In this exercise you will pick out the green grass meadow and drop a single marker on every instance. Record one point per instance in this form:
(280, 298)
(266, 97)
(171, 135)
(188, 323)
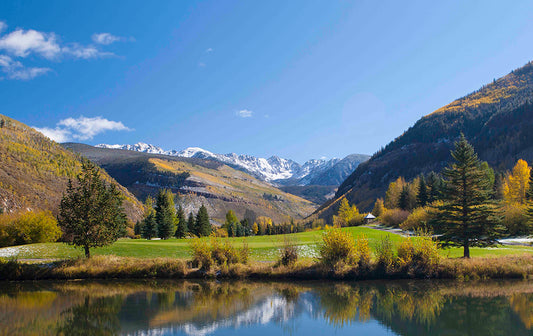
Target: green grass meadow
(263, 248)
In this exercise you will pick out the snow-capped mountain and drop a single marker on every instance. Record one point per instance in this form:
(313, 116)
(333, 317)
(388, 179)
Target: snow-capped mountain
(274, 169)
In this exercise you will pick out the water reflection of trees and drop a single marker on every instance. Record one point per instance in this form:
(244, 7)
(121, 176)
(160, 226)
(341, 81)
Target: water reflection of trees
(98, 317)
(407, 308)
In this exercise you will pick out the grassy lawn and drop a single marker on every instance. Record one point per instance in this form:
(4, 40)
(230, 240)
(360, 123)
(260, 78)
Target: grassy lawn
(263, 248)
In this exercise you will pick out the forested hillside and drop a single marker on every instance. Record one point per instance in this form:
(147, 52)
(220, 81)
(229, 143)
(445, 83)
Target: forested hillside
(497, 120)
(34, 171)
(197, 181)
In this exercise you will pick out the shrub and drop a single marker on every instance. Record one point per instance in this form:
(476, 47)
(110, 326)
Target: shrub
(386, 260)
(207, 254)
(201, 254)
(288, 253)
(28, 228)
(363, 252)
(419, 256)
(394, 217)
(337, 246)
(244, 252)
(515, 219)
(417, 219)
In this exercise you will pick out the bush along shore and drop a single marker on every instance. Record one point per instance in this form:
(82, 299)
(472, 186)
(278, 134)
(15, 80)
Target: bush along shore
(340, 258)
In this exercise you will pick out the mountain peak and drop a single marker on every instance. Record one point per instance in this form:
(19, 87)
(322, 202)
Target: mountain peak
(273, 169)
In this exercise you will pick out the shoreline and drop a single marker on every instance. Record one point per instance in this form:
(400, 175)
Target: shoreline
(112, 267)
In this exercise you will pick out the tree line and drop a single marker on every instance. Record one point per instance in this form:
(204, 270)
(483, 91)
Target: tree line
(162, 220)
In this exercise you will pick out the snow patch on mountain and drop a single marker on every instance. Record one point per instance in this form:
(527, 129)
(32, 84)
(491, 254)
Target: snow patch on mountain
(273, 169)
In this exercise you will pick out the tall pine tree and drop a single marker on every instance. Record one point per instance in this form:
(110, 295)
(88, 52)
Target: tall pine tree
(149, 226)
(191, 224)
(164, 214)
(422, 195)
(181, 223)
(202, 222)
(466, 218)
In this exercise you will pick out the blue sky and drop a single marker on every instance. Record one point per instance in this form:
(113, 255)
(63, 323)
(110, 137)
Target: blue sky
(297, 79)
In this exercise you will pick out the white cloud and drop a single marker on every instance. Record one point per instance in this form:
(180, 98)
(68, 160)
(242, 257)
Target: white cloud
(87, 128)
(81, 128)
(105, 38)
(15, 69)
(21, 43)
(244, 113)
(55, 134)
(209, 50)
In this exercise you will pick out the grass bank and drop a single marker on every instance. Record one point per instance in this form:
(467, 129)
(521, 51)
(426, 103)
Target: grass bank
(112, 267)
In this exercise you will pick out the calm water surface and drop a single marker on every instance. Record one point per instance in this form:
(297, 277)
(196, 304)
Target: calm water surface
(260, 308)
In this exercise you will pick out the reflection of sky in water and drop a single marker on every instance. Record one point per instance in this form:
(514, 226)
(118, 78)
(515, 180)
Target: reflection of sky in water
(248, 308)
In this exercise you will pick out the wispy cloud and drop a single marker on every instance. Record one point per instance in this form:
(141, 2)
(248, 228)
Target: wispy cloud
(209, 50)
(85, 52)
(244, 113)
(81, 128)
(105, 38)
(15, 70)
(22, 43)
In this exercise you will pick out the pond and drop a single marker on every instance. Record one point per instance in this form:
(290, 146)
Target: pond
(266, 308)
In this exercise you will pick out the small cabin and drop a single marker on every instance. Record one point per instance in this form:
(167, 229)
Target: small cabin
(369, 218)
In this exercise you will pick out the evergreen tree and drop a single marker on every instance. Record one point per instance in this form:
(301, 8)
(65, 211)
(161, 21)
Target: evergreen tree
(149, 226)
(231, 229)
(422, 196)
(202, 222)
(137, 228)
(191, 224)
(403, 200)
(181, 223)
(498, 186)
(91, 213)
(246, 227)
(466, 218)
(165, 213)
(529, 193)
(435, 184)
(239, 232)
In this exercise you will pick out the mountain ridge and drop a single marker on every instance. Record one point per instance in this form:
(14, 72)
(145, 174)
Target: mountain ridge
(275, 170)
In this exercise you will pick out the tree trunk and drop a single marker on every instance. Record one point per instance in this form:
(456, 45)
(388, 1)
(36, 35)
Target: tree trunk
(87, 252)
(466, 251)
